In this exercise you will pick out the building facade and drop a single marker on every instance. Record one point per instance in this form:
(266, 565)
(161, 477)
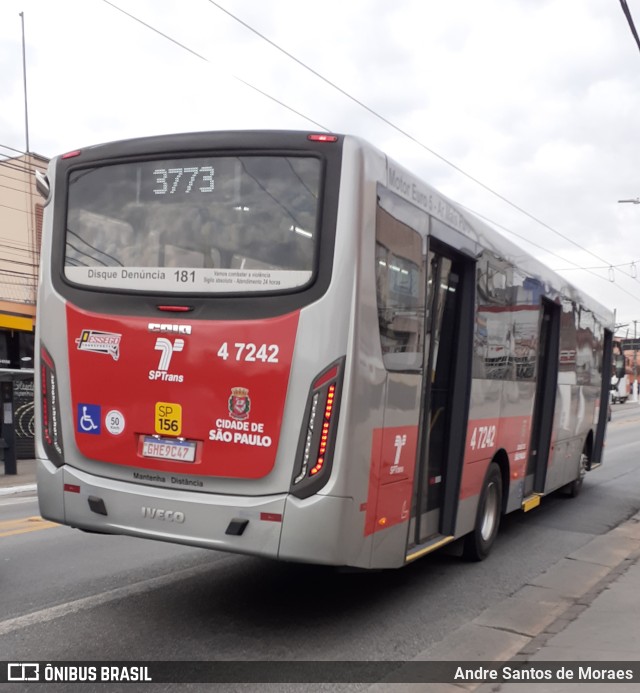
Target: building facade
(21, 211)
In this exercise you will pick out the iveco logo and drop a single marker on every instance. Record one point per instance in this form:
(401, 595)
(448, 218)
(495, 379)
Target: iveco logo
(169, 329)
(160, 514)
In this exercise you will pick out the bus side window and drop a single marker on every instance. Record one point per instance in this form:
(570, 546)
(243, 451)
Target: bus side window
(400, 288)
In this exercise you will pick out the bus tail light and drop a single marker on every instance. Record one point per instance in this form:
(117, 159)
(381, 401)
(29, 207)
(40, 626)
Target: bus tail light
(50, 410)
(317, 440)
(322, 137)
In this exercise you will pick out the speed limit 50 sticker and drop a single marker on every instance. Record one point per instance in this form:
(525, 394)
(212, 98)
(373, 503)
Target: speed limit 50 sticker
(168, 418)
(114, 422)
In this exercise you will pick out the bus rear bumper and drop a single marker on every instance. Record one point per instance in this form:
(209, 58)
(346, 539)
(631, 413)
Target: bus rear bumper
(226, 523)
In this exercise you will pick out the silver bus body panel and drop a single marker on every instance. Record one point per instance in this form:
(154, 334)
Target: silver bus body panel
(196, 519)
(322, 529)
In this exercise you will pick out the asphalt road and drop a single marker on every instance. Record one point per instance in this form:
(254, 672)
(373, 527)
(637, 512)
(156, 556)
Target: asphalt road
(69, 595)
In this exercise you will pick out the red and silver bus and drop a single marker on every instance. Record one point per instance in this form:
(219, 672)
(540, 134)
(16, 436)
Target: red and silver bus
(285, 344)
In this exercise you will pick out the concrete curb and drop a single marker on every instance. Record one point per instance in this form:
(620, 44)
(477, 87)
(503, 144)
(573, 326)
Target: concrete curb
(516, 628)
(10, 490)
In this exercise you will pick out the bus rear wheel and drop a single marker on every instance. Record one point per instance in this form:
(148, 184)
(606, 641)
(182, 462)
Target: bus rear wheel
(478, 543)
(573, 488)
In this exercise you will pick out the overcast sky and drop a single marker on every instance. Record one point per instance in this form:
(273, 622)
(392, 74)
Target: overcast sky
(537, 99)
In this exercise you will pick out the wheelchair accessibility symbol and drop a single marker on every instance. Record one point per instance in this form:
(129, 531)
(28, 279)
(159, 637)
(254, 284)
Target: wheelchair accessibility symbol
(89, 419)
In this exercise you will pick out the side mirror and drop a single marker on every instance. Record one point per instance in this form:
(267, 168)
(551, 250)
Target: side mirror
(42, 185)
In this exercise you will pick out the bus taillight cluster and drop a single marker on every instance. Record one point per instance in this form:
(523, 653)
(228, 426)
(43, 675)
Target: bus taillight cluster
(51, 421)
(324, 436)
(318, 436)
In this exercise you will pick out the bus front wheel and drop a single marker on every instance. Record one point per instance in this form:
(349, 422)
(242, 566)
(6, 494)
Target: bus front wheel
(478, 543)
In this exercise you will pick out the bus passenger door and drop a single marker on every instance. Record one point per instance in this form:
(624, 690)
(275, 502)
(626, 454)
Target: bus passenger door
(400, 276)
(446, 386)
(425, 300)
(545, 398)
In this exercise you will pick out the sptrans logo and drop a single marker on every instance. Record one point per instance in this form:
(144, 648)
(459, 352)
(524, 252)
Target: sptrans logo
(167, 348)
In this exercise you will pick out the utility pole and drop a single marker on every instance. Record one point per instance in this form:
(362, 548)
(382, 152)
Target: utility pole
(24, 78)
(634, 397)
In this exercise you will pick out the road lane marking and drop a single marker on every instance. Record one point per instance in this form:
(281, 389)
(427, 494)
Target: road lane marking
(86, 603)
(11, 490)
(20, 500)
(9, 528)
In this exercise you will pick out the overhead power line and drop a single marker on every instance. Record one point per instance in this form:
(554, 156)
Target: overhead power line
(10, 243)
(13, 149)
(403, 132)
(633, 264)
(16, 165)
(202, 57)
(632, 26)
(10, 187)
(15, 209)
(369, 110)
(576, 266)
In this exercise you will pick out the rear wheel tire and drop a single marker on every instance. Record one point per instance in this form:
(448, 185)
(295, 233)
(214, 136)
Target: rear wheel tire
(478, 543)
(573, 488)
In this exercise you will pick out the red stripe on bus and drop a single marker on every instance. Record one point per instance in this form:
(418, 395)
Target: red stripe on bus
(44, 354)
(218, 386)
(326, 377)
(393, 456)
(484, 438)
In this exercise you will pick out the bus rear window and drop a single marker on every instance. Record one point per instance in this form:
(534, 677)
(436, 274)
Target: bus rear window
(208, 224)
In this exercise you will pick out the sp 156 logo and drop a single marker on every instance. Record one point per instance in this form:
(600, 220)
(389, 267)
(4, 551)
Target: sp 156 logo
(168, 418)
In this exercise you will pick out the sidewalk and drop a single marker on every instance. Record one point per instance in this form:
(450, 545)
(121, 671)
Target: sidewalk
(584, 610)
(23, 481)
